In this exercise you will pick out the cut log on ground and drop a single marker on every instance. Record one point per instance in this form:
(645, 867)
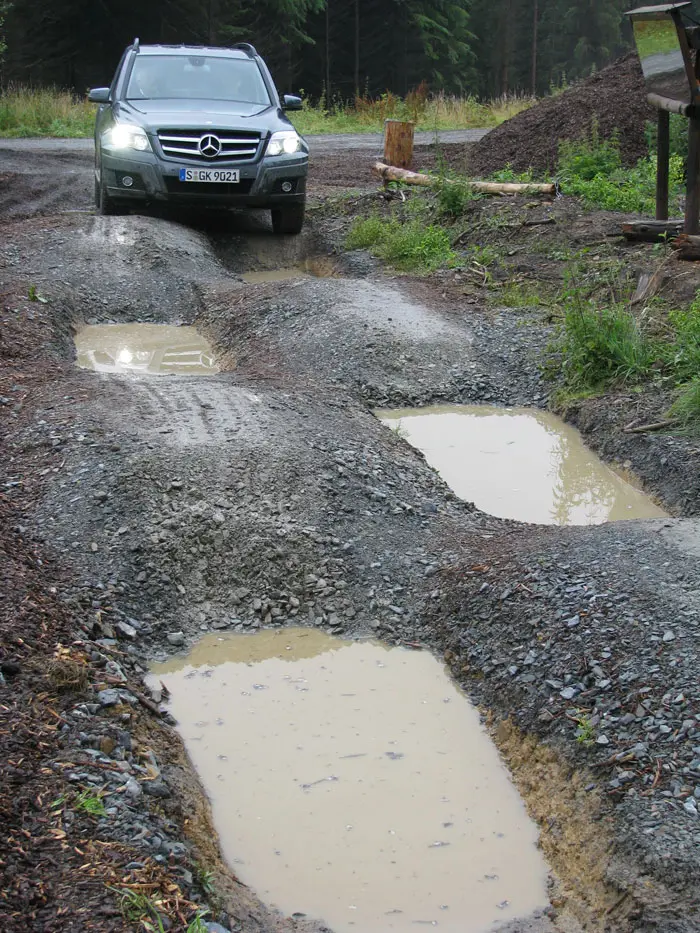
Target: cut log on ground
(649, 284)
(390, 173)
(651, 231)
(686, 246)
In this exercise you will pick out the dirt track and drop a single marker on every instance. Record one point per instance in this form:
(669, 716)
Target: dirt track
(269, 494)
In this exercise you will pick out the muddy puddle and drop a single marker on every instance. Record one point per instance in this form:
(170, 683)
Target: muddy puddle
(319, 267)
(354, 783)
(520, 463)
(154, 349)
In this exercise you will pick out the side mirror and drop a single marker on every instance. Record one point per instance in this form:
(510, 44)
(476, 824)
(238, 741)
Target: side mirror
(99, 95)
(291, 102)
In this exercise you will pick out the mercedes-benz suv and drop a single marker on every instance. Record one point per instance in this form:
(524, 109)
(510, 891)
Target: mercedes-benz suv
(198, 125)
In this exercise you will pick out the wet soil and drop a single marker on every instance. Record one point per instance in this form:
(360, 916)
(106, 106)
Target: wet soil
(144, 512)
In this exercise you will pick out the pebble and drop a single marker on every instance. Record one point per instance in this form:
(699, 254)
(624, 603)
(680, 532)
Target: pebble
(109, 697)
(176, 638)
(133, 788)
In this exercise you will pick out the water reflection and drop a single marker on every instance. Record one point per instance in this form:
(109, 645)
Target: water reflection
(153, 349)
(520, 463)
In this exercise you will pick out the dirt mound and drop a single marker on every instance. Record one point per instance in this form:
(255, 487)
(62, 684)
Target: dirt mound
(615, 96)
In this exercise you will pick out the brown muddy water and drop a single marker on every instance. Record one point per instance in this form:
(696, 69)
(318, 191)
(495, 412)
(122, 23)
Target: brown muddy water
(520, 463)
(152, 349)
(319, 267)
(354, 783)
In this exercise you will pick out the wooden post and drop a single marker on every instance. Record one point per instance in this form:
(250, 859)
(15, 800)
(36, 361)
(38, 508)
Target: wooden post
(398, 143)
(663, 150)
(692, 199)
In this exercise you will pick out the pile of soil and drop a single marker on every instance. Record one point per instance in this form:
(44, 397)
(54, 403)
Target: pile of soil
(615, 97)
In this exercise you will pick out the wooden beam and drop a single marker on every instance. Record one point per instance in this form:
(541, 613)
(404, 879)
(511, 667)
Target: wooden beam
(692, 199)
(670, 106)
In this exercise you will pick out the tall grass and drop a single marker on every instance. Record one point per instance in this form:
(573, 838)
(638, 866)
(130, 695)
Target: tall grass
(51, 111)
(48, 111)
(428, 112)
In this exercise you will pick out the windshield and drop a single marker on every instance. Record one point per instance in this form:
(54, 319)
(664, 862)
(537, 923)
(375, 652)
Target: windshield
(196, 77)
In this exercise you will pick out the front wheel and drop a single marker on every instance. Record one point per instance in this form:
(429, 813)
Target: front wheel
(288, 219)
(105, 205)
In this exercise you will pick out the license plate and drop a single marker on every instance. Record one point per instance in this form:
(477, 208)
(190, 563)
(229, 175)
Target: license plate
(210, 174)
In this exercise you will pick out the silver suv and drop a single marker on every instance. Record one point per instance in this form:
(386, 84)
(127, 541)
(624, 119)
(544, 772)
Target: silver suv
(198, 125)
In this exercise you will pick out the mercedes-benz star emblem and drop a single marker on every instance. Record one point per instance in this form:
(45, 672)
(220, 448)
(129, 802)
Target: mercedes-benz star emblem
(210, 146)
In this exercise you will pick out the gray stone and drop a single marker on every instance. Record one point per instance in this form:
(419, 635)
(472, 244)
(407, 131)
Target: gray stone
(124, 629)
(176, 638)
(108, 697)
(133, 788)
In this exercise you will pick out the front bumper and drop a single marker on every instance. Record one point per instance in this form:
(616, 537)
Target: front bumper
(155, 179)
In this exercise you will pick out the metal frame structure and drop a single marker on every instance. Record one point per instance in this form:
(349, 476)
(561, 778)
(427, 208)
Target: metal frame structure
(689, 44)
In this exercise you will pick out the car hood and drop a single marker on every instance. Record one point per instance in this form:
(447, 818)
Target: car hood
(201, 114)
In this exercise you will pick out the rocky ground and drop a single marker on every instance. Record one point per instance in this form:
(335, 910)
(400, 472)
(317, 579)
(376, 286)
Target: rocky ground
(140, 512)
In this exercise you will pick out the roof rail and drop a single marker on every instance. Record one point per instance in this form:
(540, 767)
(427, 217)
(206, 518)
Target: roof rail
(245, 47)
(135, 45)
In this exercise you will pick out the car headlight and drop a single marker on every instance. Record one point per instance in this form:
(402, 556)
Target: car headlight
(123, 136)
(286, 142)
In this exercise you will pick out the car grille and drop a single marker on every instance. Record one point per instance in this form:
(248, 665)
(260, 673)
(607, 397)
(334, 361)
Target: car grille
(175, 186)
(236, 145)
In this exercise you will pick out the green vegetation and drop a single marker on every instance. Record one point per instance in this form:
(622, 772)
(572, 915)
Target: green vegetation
(454, 196)
(591, 168)
(54, 112)
(137, 907)
(91, 803)
(44, 112)
(411, 246)
(686, 408)
(585, 733)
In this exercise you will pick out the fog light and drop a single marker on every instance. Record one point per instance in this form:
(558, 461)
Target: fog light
(287, 186)
(127, 181)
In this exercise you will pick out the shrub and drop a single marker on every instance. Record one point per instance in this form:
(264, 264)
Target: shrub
(454, 197)
(591, 168)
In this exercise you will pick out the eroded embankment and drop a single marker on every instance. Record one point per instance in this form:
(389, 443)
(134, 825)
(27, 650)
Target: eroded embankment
(268, 494)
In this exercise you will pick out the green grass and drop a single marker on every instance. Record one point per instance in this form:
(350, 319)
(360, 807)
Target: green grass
(686, 408)
(90, 803)
(44, 112)
(412, 246)
(51, 111)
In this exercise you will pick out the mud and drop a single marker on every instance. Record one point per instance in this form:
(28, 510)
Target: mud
(328, 809)
(520, 463)
(153, 349)
(158, 510)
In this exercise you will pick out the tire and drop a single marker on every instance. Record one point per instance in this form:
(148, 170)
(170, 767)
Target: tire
(288, 219)
(105, 205)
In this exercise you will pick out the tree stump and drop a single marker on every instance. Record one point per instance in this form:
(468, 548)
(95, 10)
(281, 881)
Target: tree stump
(398, 143)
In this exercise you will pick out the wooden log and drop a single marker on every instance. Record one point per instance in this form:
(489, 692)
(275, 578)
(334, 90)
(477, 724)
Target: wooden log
(668, 105)
(651, 231)
(686, 246)
(398, 143)
(391, 173)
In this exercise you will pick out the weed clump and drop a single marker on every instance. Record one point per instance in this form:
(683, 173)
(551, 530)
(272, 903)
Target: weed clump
(602, 346)
(411, 247)
(686, 408)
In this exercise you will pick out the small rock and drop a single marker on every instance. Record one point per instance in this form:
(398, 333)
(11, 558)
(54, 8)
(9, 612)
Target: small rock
(124, 629)
(108, 697)
(157, 788)
(133, 788)
(690, 806)
(603, 740)
(176, 638)
(669, 636)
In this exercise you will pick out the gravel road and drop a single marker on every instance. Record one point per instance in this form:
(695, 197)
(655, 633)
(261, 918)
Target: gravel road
(269, 494)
